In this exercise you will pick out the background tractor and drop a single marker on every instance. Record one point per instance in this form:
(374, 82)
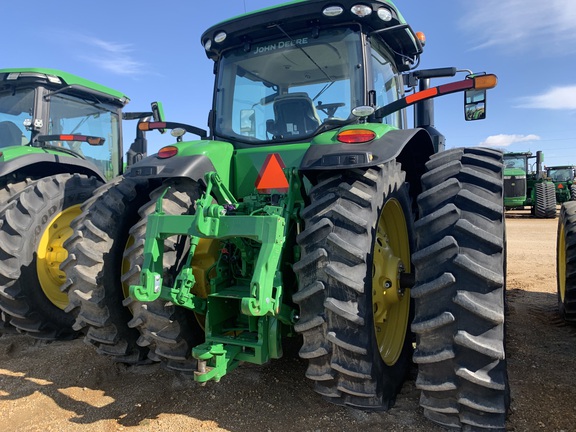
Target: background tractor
(60, 138)
(526, 185)
(310, 209)
(563, 179)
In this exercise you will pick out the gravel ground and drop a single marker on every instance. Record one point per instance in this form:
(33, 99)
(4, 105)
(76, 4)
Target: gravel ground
(66, 386)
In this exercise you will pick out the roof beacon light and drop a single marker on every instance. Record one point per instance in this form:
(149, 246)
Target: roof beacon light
(361, 10)
(332, 11)
(384, 14)
(220, 37)
(421, 37)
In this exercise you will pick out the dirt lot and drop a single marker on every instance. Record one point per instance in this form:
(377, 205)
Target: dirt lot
(66, 386)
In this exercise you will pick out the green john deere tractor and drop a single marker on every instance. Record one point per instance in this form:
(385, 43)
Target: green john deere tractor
(310, 209)
(526, 185)
(563, 178)
(60, 138)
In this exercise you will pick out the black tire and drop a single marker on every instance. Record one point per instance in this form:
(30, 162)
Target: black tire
(94, 269)
(566, 262)
(345, 259)
(459, 293)
(573, 192)
(169, 331)
(10, 186)
(545, 200)
(34, 226)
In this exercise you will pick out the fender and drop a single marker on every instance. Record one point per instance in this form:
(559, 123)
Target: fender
(193, 167)
(44, 164)
(404, 145)
(192, 159)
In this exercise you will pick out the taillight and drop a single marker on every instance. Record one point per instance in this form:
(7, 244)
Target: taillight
(167, 152)
(356, 136)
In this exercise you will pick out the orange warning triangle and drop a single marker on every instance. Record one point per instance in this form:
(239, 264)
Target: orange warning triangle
(271, 175)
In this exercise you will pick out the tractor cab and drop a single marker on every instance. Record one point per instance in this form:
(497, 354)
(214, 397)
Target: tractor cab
(290, 74)
(59, 112)
(563, 178)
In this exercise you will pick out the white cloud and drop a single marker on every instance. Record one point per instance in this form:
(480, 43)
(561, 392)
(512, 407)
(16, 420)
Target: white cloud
(557, 98)
(503, 140)
(113, 57)
(516, 24)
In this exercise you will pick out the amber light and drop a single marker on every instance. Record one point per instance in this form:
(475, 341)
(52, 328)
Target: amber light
(167, 152)
(421, 37)
(356, 136)
(487, 81)
(147, 126)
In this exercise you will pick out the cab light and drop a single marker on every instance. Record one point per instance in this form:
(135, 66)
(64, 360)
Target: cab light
(220, 37)
(361, 10)
(356, 136)
(384, 14)
(167, 152)
(332, 11)
(208, 45)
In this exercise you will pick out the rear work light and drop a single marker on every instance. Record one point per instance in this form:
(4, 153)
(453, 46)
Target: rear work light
(356, 136)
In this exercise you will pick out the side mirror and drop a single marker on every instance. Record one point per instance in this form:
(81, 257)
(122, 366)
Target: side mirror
(158, 113)
(248, 122)
(474, 105)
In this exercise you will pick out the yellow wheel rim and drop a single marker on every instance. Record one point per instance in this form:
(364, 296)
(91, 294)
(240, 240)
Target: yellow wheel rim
(51, 253)
(390, 302)
(561, 263)
(205, 258)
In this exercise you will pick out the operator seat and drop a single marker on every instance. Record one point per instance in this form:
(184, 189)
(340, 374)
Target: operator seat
(294, 114)
(10, 134)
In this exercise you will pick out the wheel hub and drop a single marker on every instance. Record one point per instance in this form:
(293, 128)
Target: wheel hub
(51, 253)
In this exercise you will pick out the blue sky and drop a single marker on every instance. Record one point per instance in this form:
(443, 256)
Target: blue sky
(151, 51)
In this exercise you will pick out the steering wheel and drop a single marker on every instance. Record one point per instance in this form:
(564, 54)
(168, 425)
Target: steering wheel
(330, 108)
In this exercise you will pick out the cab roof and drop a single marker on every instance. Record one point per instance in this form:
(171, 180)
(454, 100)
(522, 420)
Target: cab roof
(59, 79)
(301, 15)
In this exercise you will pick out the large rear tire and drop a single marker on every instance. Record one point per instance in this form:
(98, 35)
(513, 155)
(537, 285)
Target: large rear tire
(354, 312)
(169, 331)
(10, 186)
(94, 269)
(545, 200)
(36, 222)
(566, 262)
(460, 293)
